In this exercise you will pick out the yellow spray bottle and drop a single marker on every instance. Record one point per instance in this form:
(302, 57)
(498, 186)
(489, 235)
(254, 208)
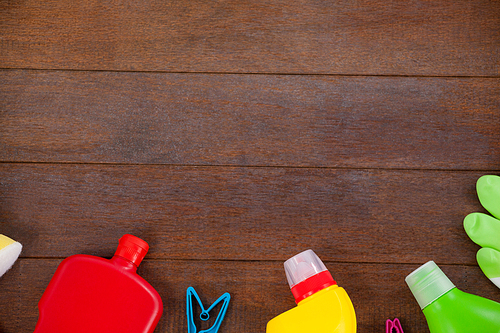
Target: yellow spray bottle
(322, 306)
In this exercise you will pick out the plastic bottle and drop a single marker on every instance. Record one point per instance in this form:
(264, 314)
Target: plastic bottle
(322, 306)
(449, 310)
(9, 252)
(92, 294)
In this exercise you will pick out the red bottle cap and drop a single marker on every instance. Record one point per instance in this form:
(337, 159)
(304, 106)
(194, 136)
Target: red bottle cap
(132, 249)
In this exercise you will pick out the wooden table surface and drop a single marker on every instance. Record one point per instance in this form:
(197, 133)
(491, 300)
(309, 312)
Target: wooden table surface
(231, 135)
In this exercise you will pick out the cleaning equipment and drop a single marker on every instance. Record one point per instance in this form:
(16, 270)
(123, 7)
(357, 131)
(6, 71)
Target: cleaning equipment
(322, 306)
(448, 309)
(92, 294)
(393, 326)
(9, 252)
(205, 314)
(484, 229)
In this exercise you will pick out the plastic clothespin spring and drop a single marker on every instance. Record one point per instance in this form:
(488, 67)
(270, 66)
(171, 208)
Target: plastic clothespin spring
(225, 298)
(393, 326)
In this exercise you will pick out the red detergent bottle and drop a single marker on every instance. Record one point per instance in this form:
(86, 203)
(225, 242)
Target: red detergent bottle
(92, 294)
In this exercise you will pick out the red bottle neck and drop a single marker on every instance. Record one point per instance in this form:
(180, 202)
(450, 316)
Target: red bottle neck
(124, 264)
(312, 285)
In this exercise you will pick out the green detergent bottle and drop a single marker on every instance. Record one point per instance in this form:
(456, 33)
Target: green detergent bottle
(449, 310)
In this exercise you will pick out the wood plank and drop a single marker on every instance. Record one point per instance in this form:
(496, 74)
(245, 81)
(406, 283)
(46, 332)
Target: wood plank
(240, 213)
(457, 38)
(356, 122)
(258, 292)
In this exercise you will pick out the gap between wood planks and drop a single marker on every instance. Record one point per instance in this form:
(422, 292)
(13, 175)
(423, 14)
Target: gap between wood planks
(247, 73)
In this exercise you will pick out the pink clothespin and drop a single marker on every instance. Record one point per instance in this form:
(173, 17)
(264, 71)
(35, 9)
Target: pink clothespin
(393, 326)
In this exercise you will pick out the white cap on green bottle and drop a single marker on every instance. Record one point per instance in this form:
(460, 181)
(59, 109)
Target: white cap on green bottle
(427, 283)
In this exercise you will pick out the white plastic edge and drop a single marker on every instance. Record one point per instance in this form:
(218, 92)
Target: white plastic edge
(496, 281)
(8, 256)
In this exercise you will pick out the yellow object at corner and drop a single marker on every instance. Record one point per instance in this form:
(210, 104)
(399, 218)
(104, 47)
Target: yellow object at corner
(5, 241)
(327, 311)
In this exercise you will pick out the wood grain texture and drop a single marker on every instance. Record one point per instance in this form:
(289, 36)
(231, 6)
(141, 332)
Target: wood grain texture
(370, 37)
(258, 292)
(232, 135)
(362, 122)
(213, 213)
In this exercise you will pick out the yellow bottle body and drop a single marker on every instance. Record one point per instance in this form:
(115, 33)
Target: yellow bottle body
(327, 311)
(5, 241)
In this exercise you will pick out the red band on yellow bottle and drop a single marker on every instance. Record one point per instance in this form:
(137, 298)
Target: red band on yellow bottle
(312, 285)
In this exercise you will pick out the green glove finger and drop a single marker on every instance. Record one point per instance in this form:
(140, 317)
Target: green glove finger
(489, 261)
(488, 191)
(483, 230)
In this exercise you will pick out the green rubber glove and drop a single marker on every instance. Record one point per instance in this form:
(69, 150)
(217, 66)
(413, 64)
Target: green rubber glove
(484, 229)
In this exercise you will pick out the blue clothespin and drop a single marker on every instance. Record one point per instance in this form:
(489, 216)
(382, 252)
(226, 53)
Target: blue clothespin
(205, 313)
